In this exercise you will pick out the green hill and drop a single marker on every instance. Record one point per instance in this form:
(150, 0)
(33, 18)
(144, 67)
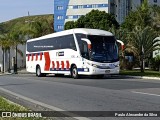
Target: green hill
(20, 22)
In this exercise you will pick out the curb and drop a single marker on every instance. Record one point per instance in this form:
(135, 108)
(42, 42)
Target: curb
(1, 74)
(25, 73)
(142, 77)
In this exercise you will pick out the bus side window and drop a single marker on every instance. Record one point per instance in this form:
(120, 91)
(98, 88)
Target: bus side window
(72, 46)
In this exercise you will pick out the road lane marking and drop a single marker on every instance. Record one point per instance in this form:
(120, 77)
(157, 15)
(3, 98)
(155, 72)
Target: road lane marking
(43, 104)
(146, 93)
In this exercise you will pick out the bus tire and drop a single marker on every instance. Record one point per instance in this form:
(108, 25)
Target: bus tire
(74, 72)
(38, 71)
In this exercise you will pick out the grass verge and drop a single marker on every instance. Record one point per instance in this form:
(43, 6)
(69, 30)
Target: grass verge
(8, 106)
(148, 73)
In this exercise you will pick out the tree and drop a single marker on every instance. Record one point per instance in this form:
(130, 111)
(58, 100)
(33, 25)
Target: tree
(156, 18)
(144, 42)
(33, 29)
(41, 28)
(141, 17)
(97, 20)
(16, 38)
(155, 63)
(69, 25)
(11, 40)
(129, 49)
(5, 43)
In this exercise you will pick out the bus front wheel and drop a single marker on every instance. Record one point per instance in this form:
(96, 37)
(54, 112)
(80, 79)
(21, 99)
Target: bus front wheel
(74, 72)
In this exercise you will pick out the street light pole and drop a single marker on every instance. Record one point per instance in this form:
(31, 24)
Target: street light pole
(142, 60)
(15, 64)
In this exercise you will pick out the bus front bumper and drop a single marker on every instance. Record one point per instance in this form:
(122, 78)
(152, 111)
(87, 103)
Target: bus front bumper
(96, 71)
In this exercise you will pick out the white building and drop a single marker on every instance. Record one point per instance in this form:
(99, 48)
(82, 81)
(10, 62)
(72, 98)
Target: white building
(156, 52)
(71, 10)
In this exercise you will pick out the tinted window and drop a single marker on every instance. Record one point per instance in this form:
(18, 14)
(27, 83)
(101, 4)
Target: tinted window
(65, 42)
(62, 42)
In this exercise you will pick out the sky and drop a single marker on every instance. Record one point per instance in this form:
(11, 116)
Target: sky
(10, 9)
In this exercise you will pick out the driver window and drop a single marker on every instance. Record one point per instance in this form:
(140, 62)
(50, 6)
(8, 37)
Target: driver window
(84, 49)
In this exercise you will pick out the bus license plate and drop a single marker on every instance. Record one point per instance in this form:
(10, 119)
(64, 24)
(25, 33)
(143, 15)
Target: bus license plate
(107, 71)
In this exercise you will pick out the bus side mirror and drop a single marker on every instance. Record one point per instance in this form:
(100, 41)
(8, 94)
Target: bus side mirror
(121, 43)
(88, 43)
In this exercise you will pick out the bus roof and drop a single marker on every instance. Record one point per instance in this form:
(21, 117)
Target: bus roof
(76, 30)
(92, 31)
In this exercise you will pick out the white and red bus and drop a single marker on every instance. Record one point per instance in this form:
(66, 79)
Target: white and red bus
(73, 52)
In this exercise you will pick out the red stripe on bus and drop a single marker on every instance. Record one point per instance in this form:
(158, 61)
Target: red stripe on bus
(40, 56)
(47, 61)
(57, 63)
(62, 63)
(32, 57)
(53, 65)
(67, 64)
(28, 57)
(36, 56)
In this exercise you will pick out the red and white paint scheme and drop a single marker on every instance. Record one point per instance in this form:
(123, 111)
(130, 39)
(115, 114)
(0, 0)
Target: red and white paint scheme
(73, 52)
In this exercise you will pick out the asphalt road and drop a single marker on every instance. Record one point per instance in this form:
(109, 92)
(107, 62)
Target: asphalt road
(86, 94)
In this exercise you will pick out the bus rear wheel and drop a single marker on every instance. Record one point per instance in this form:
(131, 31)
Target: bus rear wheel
(74, 72)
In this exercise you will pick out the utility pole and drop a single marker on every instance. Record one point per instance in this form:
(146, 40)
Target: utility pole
(28, 13)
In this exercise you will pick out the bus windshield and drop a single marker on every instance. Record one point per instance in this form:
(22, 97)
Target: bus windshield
(104, 48)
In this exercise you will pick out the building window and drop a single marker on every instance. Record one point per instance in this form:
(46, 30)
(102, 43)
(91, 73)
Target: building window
(75, 6)
(70, 7)
(102, 5)
(59, 7)
(70, 17)
(75, 16)
(80, 6)
(87, 6)
(60, 26)
(94, 6)
(155, 1)
(79, 16)
(59, 17)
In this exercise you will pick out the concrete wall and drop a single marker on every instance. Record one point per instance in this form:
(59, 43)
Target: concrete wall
(21, 61)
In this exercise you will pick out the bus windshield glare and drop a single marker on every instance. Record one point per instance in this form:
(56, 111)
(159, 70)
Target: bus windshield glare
(104, 48)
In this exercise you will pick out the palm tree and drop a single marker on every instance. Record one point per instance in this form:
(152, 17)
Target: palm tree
(11, 40)
(42, 27)
(5, 43)
(124, 35)
(144, 42)
(33, 29)
(16, 38)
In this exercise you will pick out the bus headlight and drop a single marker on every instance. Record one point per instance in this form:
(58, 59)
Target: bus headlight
(117, 65)
(94, 65)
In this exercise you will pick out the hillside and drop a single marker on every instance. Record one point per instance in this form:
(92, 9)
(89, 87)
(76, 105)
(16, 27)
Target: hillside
(19, 22)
